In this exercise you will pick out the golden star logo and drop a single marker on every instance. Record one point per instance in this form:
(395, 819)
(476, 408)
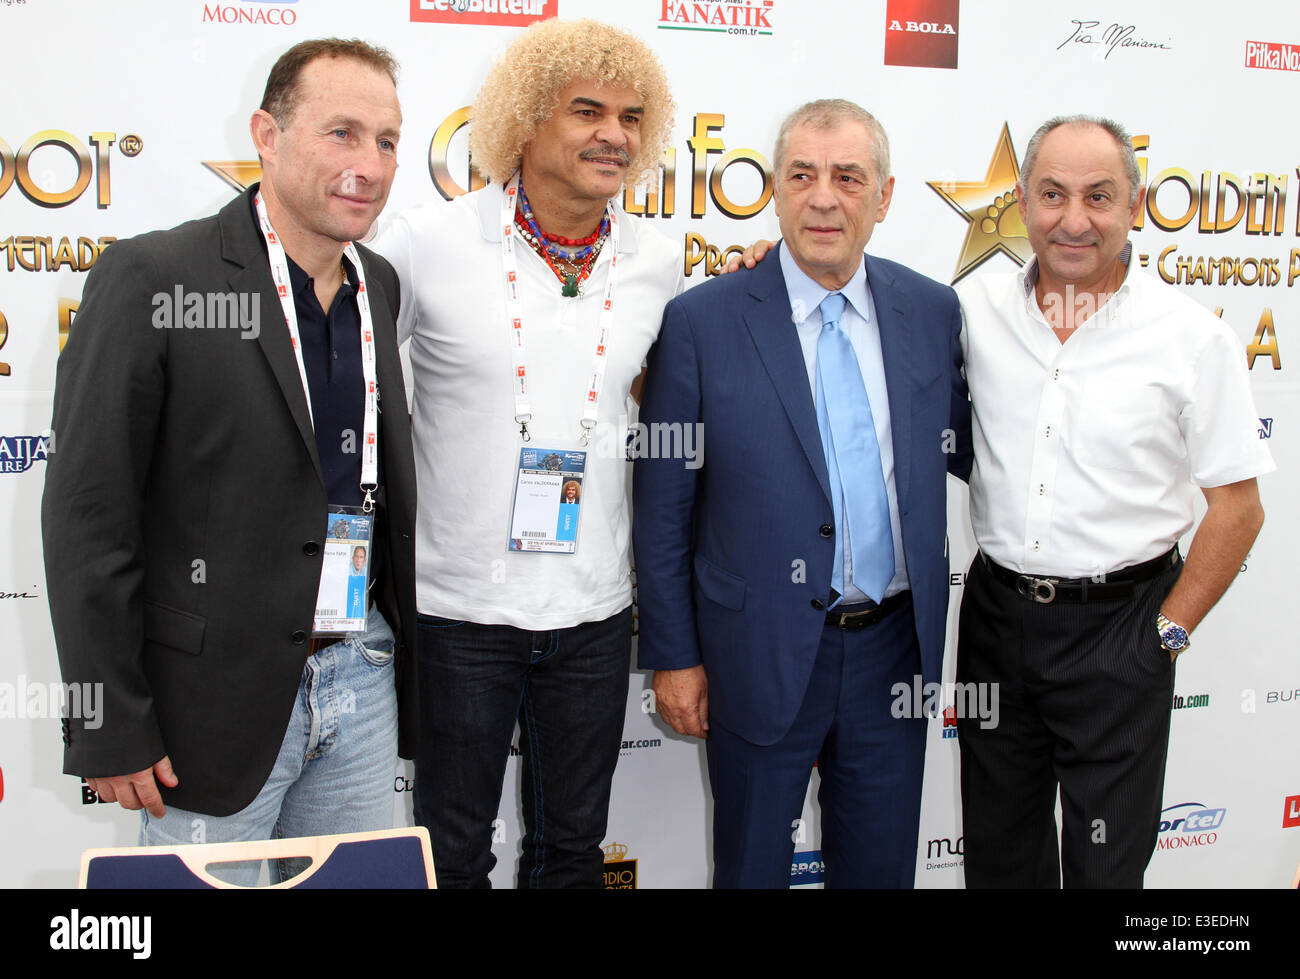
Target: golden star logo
(990, 208)
(240, 174)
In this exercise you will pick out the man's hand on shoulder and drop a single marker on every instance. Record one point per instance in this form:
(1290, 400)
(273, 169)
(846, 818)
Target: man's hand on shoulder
(682, 700)
(751, 256)
(137, 790)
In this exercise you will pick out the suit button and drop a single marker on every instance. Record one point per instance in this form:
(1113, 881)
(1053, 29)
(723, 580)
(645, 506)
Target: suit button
(826, 530)
(818, 604)
(311, 548)
(299, 637)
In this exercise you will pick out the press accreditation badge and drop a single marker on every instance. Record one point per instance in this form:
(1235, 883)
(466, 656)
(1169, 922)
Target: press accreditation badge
(341, 603)
(548, 500)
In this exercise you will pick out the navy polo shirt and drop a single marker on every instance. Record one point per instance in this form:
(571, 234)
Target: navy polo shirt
(331, 353)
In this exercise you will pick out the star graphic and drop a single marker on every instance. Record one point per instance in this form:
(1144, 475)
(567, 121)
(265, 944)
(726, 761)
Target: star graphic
(989, 206)
(240, 174)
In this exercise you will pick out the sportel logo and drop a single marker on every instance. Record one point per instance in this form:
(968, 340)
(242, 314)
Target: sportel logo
(1190, 824)
(501, 13)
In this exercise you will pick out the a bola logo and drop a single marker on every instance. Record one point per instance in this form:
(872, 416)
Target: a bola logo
(990, 207)
(620, 872)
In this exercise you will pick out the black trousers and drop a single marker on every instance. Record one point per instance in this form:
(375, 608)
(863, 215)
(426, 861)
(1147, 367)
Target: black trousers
(1083, 694)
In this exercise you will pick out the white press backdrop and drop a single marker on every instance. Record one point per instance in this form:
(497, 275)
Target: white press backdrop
(120, 118)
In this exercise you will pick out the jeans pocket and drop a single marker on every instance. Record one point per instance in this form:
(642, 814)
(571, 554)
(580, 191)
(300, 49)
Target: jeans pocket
(437, 622)
(376, 657)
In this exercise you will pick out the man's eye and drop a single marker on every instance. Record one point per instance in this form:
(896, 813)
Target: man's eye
(341, 133)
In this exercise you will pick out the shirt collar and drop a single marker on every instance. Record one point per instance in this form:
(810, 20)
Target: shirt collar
(1029, 274)
(806, 294)
(489, 217)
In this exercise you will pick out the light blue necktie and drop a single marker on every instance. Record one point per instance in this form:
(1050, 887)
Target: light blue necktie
(852, 459)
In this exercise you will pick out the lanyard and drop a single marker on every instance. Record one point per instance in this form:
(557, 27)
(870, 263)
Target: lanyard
(515, 319)
(283, 287)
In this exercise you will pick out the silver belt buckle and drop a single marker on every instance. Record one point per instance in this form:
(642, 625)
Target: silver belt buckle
(1041, 590)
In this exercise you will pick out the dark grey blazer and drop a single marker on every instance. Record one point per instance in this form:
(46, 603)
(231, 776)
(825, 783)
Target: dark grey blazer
(184, 515)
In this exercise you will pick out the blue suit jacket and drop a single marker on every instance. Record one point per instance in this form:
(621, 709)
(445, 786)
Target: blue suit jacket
(733, 567)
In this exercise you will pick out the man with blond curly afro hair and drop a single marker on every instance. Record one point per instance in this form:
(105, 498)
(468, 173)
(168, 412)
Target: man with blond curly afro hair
(524, 355)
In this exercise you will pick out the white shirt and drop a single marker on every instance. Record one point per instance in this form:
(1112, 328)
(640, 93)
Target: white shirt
(448, 257)
(859, 323)
(1088, 452)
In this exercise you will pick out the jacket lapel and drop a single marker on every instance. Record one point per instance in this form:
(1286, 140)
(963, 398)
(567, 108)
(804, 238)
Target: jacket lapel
(775, 337)
(241, 246)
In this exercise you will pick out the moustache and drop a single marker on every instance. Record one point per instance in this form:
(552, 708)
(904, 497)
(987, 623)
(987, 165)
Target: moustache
(619, 152)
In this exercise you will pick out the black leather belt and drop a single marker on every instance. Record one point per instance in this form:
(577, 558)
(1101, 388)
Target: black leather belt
(1114, 584)
(854, 617)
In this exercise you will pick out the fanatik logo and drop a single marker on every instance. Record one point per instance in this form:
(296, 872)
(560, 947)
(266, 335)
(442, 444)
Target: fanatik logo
(1189, 824)
(278, 13)
(1270, 54)
(921, 33)
(740, 18)
(512, 13)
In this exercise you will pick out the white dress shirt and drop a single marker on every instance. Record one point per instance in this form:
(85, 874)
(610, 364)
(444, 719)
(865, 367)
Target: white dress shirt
(860, 325)
(1088, 452)
(448, 258)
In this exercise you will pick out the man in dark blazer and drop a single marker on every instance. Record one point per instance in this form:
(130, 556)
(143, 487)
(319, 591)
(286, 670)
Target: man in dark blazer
(791, 583)
(185, 507)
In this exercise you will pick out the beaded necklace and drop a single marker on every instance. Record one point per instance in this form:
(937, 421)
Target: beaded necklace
(571, 259)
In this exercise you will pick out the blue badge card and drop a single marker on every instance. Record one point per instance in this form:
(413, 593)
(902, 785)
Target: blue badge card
(548, 500)
(345, 572)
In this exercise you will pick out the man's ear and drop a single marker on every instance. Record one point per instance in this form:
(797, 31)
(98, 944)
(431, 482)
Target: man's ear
(265, 133)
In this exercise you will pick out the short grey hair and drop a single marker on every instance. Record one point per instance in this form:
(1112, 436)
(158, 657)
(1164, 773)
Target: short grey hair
(1116, 132)
(831, 114)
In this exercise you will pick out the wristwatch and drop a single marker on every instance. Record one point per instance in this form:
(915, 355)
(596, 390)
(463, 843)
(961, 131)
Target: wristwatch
(1173, 637)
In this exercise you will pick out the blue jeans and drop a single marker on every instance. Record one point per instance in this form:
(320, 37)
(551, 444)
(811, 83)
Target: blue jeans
(334, 773)
(568, 689)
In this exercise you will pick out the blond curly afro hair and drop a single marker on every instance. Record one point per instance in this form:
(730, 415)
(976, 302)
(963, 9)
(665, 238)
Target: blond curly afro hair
(521, 90)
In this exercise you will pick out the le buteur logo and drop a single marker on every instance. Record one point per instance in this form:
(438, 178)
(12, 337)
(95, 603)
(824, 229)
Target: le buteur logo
(1291, 811)
(500, 13)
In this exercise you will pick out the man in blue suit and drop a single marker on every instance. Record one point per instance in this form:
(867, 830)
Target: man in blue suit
(792, 581)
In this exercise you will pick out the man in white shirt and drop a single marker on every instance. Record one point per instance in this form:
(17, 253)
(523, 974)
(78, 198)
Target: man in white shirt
(523, 356)
(1102, 399)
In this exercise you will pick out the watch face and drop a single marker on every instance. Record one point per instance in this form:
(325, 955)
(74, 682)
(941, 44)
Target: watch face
(1174, 637)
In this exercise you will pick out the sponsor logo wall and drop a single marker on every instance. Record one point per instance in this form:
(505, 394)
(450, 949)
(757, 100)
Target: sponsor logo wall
(960, 88)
